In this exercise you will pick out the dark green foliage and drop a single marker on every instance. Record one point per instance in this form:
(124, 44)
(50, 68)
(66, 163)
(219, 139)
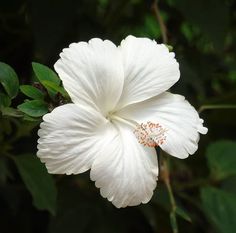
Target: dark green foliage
(211, 17)
(9, 80)
(183, 213)
(8, 111)
(201, 33)
(34, 108)
(222, 159)
(53, 87)
(38, 181)
(5, 101)
(32, 92)
(43, 73)
(220, 207)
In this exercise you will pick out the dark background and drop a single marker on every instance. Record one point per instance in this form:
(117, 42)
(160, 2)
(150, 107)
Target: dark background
(203, 35)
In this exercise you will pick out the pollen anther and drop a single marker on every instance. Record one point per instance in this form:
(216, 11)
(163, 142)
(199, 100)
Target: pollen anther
(150, 134)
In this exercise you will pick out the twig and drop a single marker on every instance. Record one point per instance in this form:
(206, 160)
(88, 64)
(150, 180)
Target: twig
(166, 178)
(217, 106)
(160, 21)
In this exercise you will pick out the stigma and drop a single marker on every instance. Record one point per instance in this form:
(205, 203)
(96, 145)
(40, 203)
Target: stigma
(150, 134)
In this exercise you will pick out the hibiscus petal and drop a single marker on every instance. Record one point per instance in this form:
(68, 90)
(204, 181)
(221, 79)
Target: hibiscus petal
(176, 115)
(149, 69)
(70, 138)
(74, 139)
(92, 73)
(125, 171)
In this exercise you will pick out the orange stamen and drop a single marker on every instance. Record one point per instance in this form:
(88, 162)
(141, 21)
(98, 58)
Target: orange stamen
(150, 134)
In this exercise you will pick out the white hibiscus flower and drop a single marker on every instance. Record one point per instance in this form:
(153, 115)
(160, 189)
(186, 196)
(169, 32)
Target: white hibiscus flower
(121, 110)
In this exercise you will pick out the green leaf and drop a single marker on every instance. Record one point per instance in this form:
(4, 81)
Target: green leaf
(8, 111)
(183, 213)
(44, 73)
(55, 88)
(32, 119)
(40, 184)
(151, 27)
(213, 19)
(221, 159)
(5, 101)
(9, 80)
(34, 108)
(220, 208)
(32, 92)
(173, 222)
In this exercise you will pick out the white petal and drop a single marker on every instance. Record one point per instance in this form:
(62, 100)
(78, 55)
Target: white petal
(149, 69)
(70, 138)
(174, 114)
(126, 172)
(92, 73)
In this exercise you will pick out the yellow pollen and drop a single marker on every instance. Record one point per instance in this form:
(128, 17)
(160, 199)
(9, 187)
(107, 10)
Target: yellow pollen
(150, 134)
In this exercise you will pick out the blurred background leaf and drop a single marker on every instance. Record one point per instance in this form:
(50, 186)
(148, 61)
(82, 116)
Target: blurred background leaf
(202, 34)
(220, 208)
(9, 80)
(221, 157)
(38, 181)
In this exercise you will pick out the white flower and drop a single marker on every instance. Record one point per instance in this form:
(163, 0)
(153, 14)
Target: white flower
(120, 112)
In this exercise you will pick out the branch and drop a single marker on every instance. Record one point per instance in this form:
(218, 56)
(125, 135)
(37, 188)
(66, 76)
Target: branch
(160, 21)
(165, 175)
(217, 106)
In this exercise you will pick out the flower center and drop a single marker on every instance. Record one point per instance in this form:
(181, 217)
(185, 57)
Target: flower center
(150, 134)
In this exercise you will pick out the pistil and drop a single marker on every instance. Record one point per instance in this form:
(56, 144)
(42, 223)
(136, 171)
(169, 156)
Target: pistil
(148, 134)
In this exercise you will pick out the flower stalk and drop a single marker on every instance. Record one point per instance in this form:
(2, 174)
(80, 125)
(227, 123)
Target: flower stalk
(165, 176)
(160, 21)
(217, 106)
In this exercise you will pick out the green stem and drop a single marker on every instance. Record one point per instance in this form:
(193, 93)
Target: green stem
(173, 208)
(160, 21)
(166, 179)
(217, 106)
